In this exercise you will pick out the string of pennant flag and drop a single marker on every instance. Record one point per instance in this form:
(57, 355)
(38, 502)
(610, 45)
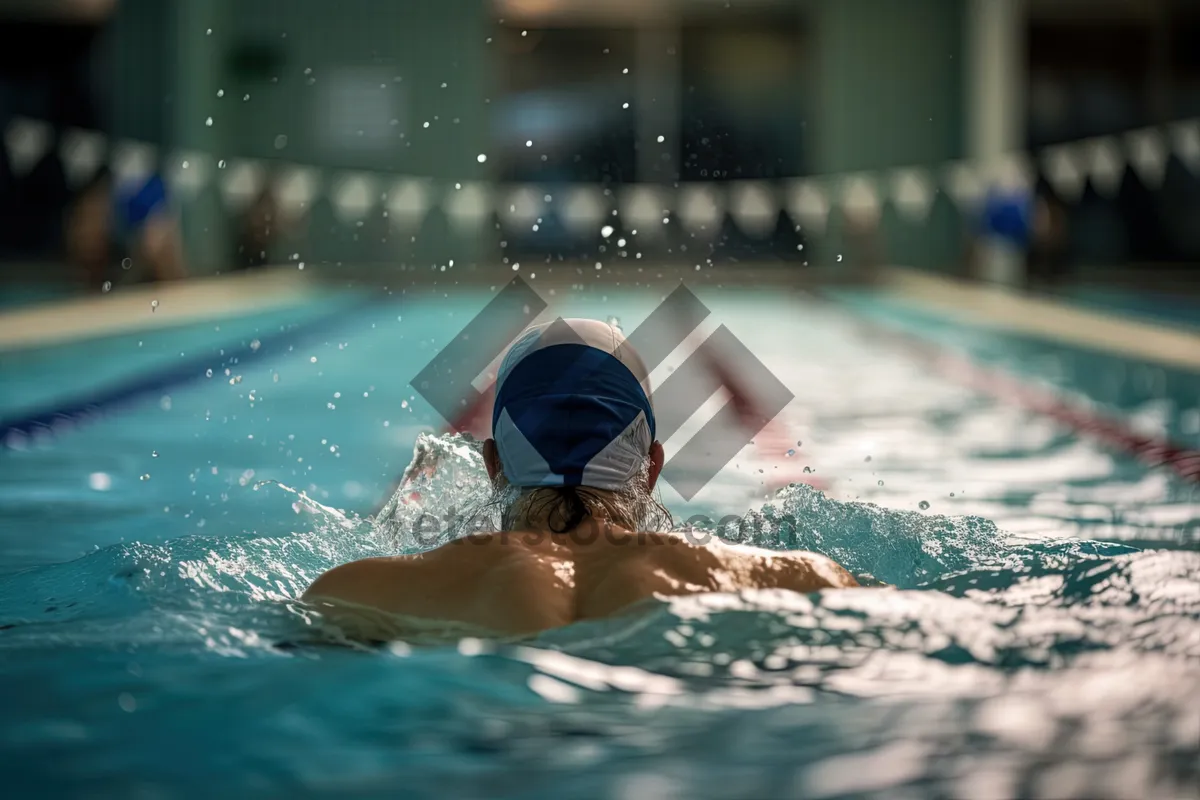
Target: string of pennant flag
(753, 205)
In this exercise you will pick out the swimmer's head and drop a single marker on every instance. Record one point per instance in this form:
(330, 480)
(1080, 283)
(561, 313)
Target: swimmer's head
(573, 415)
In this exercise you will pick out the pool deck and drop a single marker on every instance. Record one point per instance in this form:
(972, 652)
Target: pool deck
(1046, 318)
(165, 305)
(152, 306)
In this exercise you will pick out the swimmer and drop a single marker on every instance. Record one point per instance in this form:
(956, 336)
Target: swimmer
(574, 463)
(112, 219)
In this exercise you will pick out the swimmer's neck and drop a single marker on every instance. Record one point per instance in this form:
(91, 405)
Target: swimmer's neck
(536, 512)
(595, 527)
(546, 523)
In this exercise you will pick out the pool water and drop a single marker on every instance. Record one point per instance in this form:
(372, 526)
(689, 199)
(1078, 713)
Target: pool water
(1043, 639)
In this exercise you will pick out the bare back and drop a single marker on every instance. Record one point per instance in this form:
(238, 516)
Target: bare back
(515, 583)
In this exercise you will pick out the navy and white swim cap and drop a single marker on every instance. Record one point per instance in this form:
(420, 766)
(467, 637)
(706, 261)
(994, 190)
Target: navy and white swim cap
(572, 407)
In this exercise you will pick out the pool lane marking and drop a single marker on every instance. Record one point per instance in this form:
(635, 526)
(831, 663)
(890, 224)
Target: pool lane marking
(999, 308)
(69, 413)
(1154, 451)
(129, 309)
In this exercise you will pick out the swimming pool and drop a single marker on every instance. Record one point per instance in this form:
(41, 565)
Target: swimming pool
(1045, 640)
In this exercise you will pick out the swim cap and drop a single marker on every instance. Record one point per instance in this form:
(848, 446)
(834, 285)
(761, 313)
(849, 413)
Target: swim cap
(572, 407)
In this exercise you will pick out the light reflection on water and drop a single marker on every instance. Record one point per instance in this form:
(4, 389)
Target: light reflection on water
(1000, 667)
(1034, 647)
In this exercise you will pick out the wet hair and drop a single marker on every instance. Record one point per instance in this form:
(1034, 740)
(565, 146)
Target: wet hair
(633, 507)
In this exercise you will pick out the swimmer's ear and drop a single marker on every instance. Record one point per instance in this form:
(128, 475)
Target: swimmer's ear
(491, 458)
(656, 464)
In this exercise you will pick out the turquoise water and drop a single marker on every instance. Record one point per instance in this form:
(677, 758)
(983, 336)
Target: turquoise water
(1044, 639)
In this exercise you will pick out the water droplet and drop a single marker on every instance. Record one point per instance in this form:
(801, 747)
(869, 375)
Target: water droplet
(106, 286)
(126, 263)
(881, 483)
(281, 141)
(208, 373)
(867, 459)
(153, 306)
(154, 454)
(220, 92)
(791, 453)
(923, 505)
(482, 157)
(254, 345)
(839, 257)
(529, 142)
(146, 477)
(808, 469)
(662, 139)
(952, 494)
(208, 122)
(799, 444)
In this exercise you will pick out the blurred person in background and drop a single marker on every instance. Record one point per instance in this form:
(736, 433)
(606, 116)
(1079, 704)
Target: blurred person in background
(1000, 240)
(52, 73)
(124, 232)
(864, 240)
(260, 227)
(256, 232)
(1048, 249)
(1020, 239)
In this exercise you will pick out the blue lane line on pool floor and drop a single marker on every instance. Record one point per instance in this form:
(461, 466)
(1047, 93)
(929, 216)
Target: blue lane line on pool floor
(71, 412)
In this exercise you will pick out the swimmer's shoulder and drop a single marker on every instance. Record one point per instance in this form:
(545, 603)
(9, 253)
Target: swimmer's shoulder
(376, 581)
(715, 564)
(797, 570)
(362, 581)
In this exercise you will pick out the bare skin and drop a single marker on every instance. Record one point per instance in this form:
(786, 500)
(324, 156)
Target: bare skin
(532, 580)
(89, 239)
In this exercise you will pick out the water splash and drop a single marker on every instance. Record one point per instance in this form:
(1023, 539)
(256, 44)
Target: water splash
(992, 652)
(443, 494)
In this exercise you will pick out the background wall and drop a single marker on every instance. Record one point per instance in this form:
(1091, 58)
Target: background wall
(890, 92)
(611, 95)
